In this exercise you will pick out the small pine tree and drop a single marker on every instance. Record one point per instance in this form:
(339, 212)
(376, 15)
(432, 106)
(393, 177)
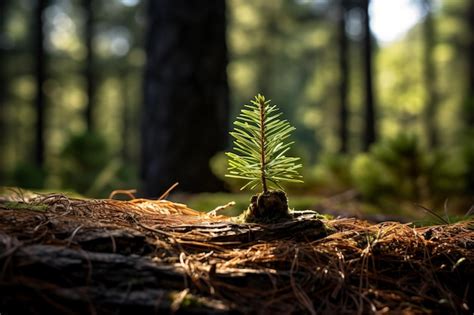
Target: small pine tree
(260, 150)
(259, 138)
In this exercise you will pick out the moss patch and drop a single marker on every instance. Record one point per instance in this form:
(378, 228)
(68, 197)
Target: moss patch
(15, 205)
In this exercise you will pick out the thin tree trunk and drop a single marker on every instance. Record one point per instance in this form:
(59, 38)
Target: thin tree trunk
(431, 104)
(270, 30)
(3, 93)
(89, 67)
(469, 101)
(470, 82)
(185, 113)
(343, 80)
(370, 135)
(40, 59)
(125, 119)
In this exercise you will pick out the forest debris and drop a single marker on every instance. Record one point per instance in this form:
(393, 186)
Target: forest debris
(141, 255)
(213, 213)
(167, 192)
(178, 300)
(127, 192)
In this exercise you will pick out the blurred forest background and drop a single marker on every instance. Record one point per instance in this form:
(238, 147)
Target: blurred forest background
(119, 94)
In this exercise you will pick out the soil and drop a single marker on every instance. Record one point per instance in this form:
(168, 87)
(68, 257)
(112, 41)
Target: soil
(266, 207)
(66, 255)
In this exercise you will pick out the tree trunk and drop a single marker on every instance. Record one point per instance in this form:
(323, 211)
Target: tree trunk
(185, 113)
(468, 110)
(40, 79)
(470, 48)
(126, 119)
(430, 77)
(89, 68)
(343, 80)
(3, 91)
(370, 135)
(265, 48)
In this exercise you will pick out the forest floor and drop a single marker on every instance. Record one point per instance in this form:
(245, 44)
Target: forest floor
(71, 255)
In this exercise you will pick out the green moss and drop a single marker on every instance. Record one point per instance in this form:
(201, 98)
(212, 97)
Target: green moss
(190, 301)
(14, 205)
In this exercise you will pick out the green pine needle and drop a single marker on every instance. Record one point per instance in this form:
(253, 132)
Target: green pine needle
(260, 149)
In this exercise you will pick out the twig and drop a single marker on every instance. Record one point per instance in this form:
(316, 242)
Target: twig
(470, 211)
(128, 192)
(433, 213)
(220, 208)
(167, 192)
(446, 211)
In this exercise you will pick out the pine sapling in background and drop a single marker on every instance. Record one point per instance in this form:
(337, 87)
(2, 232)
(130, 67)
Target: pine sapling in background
(260, 159)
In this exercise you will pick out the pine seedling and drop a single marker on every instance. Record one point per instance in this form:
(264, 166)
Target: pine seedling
(260, 147)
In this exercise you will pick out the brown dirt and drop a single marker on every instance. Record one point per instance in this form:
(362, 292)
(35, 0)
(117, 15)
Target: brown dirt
(65, 255)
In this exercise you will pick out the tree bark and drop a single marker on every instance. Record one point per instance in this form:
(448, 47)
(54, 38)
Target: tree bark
(89, 66)
(431, 104)
(40, 59)
(343, 79)
(370, 135)
(185, 113)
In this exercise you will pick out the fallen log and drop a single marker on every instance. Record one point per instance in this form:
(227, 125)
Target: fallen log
(62, 255)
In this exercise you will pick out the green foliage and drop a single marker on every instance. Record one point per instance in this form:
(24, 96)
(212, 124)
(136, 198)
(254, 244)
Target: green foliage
(27, 175)
(259, 142)
(83, 158)
(219, 164)
(88, 167)
(332, 172)
(399, 168)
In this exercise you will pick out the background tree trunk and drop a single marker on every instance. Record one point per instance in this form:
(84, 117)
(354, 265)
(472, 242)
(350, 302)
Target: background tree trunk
(470, 72)
(127, 117)
(431, 104)
(468, 112)
(40, 74)
(343, 80)
(185, 113)
(89, 67)
(3, 89)
(370, 135)
(269, 28)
